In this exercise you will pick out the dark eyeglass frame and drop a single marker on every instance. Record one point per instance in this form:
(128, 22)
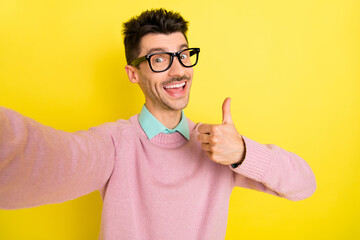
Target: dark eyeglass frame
(147, 57)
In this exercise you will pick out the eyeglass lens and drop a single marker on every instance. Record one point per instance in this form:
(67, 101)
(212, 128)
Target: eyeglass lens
(161, 61)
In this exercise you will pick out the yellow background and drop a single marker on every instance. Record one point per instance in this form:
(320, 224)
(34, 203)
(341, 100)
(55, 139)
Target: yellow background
(291, 68)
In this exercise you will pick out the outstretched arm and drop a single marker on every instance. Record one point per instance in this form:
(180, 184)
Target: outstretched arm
(266, 168)
(271, 169)
(41, 165)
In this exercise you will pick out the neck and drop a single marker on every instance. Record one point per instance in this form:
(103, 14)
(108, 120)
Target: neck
(169, 118)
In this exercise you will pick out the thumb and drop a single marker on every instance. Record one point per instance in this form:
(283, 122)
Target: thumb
(227, 119)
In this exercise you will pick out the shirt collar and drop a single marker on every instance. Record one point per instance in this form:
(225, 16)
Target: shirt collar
(153, 127)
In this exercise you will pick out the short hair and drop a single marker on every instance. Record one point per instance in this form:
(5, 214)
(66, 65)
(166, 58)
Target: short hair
(150, 21)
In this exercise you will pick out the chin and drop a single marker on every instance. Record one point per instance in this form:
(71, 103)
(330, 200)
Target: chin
(177, 105)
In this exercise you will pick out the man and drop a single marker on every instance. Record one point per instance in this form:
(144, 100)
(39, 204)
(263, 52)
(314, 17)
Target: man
(160, 175)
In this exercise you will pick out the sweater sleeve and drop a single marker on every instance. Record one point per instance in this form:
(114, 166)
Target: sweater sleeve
(271, 169)
(40, 165)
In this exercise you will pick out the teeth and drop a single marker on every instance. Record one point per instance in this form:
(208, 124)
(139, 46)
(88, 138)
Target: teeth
(179, 85)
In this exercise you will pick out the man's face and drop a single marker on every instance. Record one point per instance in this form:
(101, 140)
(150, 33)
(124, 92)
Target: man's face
(167, 90)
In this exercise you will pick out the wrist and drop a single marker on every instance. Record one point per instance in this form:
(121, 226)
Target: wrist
(242, 154)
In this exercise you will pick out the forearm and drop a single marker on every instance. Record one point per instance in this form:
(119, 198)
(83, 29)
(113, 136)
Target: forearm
(271, 169)
(41, 165)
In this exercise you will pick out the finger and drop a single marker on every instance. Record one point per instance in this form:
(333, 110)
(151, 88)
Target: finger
(227, 119)
(210, 155)
(206, 147)
(205, 128)
(197, 126)
(204, 138)
(214, 157)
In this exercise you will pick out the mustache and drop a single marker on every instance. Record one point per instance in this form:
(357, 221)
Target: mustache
(176, 79)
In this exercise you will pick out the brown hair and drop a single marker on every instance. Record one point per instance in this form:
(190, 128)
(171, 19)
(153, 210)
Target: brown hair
(150, 21)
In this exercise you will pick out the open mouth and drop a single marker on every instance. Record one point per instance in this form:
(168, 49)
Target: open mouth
(175, 89)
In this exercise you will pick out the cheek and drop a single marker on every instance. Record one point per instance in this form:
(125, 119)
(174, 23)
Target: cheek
(158, 80)
(153, 85)
(191, 72)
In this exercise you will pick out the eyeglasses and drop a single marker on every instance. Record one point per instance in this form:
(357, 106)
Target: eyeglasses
(162, 61)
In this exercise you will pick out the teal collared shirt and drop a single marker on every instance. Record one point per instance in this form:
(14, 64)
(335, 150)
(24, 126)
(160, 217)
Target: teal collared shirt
(153, 127)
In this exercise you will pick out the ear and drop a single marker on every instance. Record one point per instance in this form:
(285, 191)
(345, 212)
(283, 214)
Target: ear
(132, 73)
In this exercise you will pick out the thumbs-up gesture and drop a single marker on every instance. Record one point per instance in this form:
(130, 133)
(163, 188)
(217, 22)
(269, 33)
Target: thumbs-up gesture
(222, 142)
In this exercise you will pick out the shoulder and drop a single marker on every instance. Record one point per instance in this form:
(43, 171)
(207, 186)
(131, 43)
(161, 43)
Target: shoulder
(114, 128)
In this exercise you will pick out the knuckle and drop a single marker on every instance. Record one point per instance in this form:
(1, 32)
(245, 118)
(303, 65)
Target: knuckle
(215, 158)
(213, 148)
(216, 129)
(214, 140)
(201, 128)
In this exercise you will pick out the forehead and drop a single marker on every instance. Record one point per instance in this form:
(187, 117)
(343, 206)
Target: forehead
(172, 42)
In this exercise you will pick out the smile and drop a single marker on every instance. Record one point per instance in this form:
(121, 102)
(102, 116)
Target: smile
(177, 85)
(176, 89)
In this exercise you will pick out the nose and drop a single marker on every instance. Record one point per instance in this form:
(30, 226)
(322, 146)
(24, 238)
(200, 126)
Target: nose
(176, 68)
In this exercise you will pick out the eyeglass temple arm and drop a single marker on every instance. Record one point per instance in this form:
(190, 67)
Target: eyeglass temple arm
(196, 50)
(138, 61)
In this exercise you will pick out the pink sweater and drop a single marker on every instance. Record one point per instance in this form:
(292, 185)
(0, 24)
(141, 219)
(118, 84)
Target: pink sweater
(163, 188)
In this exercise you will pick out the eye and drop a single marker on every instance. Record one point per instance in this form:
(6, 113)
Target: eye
(158, 60)
(183, 56)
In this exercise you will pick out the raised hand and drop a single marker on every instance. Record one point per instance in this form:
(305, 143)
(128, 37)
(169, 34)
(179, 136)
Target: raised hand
(222, 142)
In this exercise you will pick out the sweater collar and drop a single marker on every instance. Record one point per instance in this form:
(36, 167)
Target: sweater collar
(153, 127)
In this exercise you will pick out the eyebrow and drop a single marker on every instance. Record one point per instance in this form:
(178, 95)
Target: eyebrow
(154, 50)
